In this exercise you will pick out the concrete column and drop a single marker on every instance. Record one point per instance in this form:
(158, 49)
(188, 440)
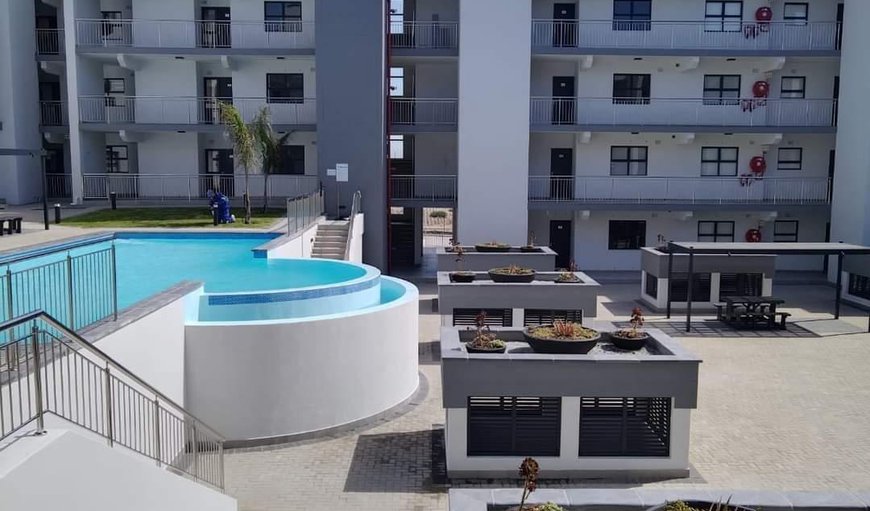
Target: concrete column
(850, 218)
(494, 96)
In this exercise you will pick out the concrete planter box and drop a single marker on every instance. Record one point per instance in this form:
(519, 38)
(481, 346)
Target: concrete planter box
(543, 293)
(654, 265)
(472, 260)
(662, 370)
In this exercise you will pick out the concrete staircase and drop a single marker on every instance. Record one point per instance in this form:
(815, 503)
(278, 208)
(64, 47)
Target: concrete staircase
(330, 241)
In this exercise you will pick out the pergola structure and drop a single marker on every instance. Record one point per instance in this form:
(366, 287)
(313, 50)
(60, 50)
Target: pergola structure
(692, 248)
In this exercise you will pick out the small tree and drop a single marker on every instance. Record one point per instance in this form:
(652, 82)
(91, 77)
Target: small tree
(244, 147)
(269, 145)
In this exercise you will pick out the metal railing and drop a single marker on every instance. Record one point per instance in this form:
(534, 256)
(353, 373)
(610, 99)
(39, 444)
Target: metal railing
(424, 111)
(98, 33)
(429, 35)
(708, 34)
(79, 290)
(355, 209)
(423, 187)
(194, 187)
(49, 369)
(49, 41)
(303, 211)
(107, 109)
(681, 190)
(59, 186)
(680, 111)
(52, 113)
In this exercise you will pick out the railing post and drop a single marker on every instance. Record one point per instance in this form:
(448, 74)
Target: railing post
(114, 283)
(37, 380)
(157, 447)
(70, 293)
(221, 462)
(195, 451)
(107, 393)
(9, 306)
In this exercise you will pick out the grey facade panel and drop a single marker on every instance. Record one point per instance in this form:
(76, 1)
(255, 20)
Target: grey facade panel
(351, 60)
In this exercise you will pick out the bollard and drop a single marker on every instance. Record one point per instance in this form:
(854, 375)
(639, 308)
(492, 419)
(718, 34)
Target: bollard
(113, 199)
(214, 214)
(57, 213)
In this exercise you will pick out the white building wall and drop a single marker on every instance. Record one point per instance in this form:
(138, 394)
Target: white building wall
(432, 10)
(824, 10)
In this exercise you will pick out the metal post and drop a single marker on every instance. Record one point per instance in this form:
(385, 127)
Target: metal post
(670, 277)
(689, 292)
(107, 392)
(70, 294)
(195, 452)
(37, 380)
(221, 462)
(157, 432)
(9, 305)
(114, 284)
(44, 192)
(839, 285)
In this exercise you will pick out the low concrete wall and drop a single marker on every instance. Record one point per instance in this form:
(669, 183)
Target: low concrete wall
(356, 242)
(545, 260)
(292, 247)
(264, 379)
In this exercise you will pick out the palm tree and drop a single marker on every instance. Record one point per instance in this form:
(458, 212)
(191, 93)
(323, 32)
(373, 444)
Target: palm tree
(244, 146)
(269, 145)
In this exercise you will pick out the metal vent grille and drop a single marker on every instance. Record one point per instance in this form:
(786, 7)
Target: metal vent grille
(651, 286)
(514, 426)
(494, 317)
(625, 426)
(680, 287)
(740, 284)
(535, 317)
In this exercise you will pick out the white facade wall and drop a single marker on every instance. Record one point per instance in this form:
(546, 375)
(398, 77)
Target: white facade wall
(436, 80)
(435, 10)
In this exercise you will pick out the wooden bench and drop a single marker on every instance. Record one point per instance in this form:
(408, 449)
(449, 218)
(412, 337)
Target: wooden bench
(13, 223)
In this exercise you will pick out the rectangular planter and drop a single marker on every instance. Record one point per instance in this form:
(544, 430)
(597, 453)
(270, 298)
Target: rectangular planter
(543, 260)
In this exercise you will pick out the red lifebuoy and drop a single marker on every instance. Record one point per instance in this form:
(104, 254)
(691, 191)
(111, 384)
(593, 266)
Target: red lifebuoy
(758, 164)
(753, 235)
(764, 14)
(760, 89)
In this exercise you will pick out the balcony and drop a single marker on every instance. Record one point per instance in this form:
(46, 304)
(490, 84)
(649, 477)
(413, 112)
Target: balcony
(639, 114)
(648, 191)
(225, 37)
(49, 42)
(414, 115)
(174, 112)
(685, 37)
(429, 190)
(184, 186)
(52, 114)
(425, 38)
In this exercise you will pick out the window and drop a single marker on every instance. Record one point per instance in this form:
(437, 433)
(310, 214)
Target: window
(514, 426)
(680, 287)
(111, 27)
(721, 89)
(723, 16)
(790, 158)
(793, 87)
(628, 160)
(859, 286)
(719, 161)
(397, 16)
(283, 16)
(785, 231)
(116, 159)
(625, 426)
(631, 14)
(397, 82)
(631, 89)
(740, 284)
(114, 87)
(284, 88)
(721, 231)
(397, 147)
(627, 235)
(292, 160)
(796, 13)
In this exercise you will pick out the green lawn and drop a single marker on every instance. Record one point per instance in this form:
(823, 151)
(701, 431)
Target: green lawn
(170, 217)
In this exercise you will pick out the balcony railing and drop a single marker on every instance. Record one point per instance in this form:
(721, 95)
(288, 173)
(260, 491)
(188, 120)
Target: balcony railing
(686, 35)
(49, 41)
(92, 33)
(683, 112)
(428, 35)
(423, 187)
(189, 187)
(680, 190)
(189, 110)
(424, 112)
(52, 113)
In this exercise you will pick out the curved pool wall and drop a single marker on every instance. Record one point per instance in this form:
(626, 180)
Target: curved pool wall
(258, 380)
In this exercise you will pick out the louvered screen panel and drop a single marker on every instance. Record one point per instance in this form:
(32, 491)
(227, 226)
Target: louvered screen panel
(494, 317)
(629, 426)
(651, 286)
(535, 317)
(740, 284)
(514, 426)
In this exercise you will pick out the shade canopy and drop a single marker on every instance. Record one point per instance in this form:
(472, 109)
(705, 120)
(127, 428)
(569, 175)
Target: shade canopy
(799, 248)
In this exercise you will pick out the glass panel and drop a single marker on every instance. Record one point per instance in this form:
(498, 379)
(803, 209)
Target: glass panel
(638, 153)
(637, 168)
(709, 169)
(707, 228)
(619, 153)
(734, 8)
(729, 153)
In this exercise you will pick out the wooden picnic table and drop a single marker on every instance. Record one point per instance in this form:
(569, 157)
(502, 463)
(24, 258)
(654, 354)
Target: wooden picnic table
(752, 311)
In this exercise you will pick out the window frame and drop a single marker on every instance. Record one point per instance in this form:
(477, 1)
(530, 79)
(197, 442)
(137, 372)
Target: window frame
(639, 93)
(270, 98)
(113, 161)
(615, 243)
(723, 20)
(632, 21)
(284, 22)
(629, 160)
(719, 161)
(716, 236)
(799, 93)
(289, 164)
(783, 164)
(796, 20)
(785, 237)
(721, 98)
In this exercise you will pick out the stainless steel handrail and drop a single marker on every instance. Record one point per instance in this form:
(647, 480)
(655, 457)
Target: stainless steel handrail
(355, 209)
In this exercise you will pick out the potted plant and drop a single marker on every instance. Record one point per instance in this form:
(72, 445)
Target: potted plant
(492, 246)
(529, 472)
(562, 337)
(512, 274)
(460, 276)
(568, 275)
(633, 338)
(698, 505)
(484, 340)
(530, 246)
